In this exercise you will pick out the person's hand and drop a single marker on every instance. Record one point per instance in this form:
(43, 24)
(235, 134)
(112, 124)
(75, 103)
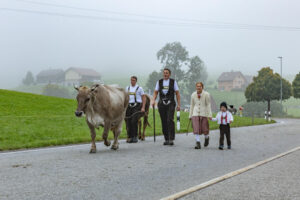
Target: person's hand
(143, 110)
(153, 104)
(178, 108)
(210, 118)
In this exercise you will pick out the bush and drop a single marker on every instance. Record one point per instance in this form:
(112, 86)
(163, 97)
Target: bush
(259, 108)
(56, 91)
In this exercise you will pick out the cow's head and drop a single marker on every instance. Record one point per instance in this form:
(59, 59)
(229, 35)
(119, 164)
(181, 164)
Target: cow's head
(83, 98)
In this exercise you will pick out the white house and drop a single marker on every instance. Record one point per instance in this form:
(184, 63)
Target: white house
(76, 76)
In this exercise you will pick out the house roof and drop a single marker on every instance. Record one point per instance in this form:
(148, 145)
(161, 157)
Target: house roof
(84, 71)
(229, 76)
(51, 72)
(249, 78)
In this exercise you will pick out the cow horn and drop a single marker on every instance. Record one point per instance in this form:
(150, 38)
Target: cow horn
(94, 87)
(76, 87)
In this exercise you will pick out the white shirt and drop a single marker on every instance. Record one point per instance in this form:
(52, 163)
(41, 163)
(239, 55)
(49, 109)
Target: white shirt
(218, 117)
(166, 83)
(139, 94)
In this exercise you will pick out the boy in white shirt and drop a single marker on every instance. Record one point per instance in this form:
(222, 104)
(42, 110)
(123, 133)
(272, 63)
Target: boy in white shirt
(224, 118)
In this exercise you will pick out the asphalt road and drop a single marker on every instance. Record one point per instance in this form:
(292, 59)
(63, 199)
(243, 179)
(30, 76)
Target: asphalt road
(145, 170)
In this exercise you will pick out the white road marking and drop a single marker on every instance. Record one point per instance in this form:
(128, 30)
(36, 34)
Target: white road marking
(226, 176)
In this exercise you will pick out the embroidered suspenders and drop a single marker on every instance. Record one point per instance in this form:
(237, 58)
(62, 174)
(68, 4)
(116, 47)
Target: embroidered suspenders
(133, 93)
(223, 118)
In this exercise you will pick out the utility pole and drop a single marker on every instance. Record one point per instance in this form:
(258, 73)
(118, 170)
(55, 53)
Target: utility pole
(280, 57)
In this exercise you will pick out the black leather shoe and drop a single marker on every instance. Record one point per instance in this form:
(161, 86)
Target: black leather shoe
(221, 147)
(198, 145)
(171, 142)
(134, 140)
(166, 142)
(206, 142)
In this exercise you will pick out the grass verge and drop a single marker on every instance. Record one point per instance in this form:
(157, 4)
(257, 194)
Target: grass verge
(31, 121)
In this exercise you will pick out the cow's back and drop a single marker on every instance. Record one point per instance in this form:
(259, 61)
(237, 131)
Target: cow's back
(118, 100)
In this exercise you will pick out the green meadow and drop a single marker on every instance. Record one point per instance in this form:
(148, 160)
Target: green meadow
(30, 121)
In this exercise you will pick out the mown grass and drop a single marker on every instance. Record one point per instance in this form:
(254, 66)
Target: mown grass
(237, 98)
(31, 121)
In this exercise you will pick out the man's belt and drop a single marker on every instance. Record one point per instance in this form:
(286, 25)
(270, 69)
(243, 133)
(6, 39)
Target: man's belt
(166, 101)
(132, 105)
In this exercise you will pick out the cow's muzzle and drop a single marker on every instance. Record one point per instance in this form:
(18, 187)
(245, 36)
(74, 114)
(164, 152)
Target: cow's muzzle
(78, 113)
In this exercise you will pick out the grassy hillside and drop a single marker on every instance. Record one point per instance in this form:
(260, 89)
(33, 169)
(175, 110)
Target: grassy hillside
(30, 120)
(236, 98)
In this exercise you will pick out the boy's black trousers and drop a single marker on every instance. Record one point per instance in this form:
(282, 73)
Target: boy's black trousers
(225, 130)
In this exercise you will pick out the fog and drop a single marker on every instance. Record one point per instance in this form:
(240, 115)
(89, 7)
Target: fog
(120, 45)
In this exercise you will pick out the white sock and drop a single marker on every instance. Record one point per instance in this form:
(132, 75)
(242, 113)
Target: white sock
(197, 137)
(206, 136)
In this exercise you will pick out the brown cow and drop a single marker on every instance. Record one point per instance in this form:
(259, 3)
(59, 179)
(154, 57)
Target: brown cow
(103, 106)
(145, 121)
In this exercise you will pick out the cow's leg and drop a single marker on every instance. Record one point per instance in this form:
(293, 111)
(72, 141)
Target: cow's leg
(105, 133)
(93, 136)
(145, 126)
(140, 128)
(117, 132)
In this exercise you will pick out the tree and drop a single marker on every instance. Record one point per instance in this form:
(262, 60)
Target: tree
(196, 73)
(29, 79)
(173, 56)
(296, 86)
(266, 87)
(152, 79)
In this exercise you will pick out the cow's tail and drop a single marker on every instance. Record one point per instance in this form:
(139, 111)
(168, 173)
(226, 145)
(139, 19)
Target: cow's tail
(146, 122)
(147, 107)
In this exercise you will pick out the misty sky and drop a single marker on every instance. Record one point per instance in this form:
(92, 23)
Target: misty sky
(30, 41)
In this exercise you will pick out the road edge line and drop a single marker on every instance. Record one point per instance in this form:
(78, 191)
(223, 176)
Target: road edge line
(227, 176)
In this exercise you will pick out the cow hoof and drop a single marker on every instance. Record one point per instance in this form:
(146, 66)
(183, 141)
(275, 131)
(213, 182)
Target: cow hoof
(114, 147)
(107, 143)
(93, 151)
(140, 138)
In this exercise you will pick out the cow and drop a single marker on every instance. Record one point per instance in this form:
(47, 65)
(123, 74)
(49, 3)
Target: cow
(104, 106)
(145, 119)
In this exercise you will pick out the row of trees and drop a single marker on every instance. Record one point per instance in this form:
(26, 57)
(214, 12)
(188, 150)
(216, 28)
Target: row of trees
(175, 57)
(29, 79)
(266, 87)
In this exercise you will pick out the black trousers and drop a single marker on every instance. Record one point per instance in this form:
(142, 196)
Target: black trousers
(166, 113)
(132, 120)
(225, 130)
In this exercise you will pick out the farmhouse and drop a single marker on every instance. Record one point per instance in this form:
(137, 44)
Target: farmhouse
(75, 75)
(49, 76)
(233, 80)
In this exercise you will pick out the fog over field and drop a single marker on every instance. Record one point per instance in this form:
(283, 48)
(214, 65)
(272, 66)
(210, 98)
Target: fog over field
(120, 38)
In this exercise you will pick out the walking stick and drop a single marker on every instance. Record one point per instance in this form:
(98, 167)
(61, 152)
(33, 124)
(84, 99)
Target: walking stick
(154, 122)
(187, 131)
